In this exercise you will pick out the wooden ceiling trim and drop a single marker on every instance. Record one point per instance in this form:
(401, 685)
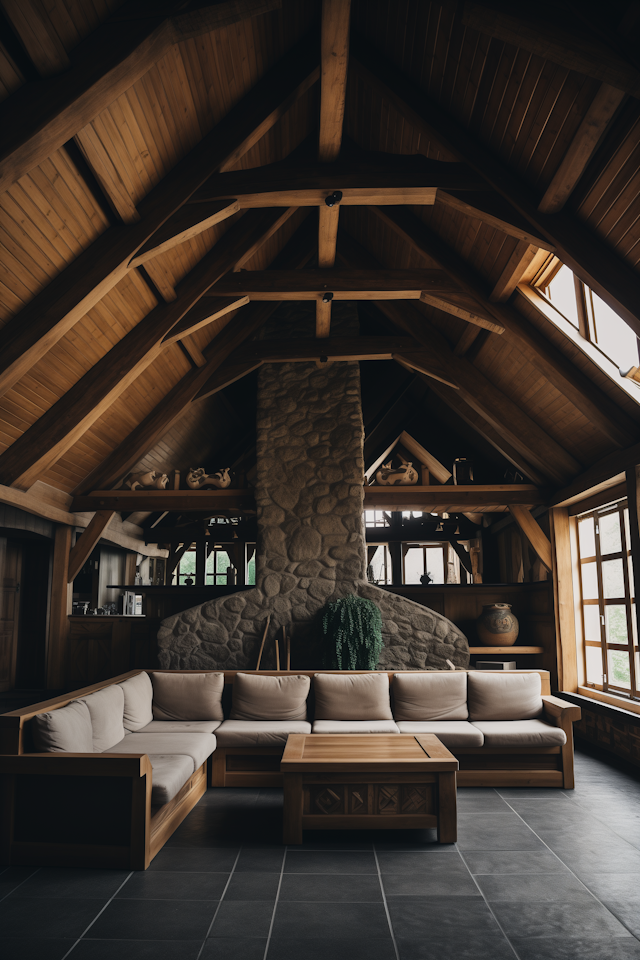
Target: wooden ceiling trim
(503, 414)
(42, 116)
(33, 26)
(84, 282)
(586, 255)
(521, 258)
(569, 49)
(583, 146)
(77, 410)
(146, 434)
(602, 412)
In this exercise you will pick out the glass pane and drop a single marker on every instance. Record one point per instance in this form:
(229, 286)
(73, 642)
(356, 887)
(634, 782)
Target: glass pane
(379, 566)
(594, 664)
(251, 569)
(592, 623)
(435, 564)
(610, 538)
(616, 623)
(613, 336)
(414, 565)
(587, 534)
(589, 581)
(562, 293)
(619, 668)
(612, 579)
(632, 586)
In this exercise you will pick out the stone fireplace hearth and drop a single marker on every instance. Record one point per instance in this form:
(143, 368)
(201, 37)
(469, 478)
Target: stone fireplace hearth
(311, 542)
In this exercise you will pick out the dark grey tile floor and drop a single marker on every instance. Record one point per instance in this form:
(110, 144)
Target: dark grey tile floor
(536, 874)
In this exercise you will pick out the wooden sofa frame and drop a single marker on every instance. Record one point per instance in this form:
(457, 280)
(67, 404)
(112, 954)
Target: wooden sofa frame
(69, 809)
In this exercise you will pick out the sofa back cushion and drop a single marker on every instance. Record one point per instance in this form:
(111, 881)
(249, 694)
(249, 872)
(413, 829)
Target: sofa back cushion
(361, 696)
(269, 698)
(106, 708)
(430, 696)
(67, 730)
(138, 702)
(187, 696)
(515, 696)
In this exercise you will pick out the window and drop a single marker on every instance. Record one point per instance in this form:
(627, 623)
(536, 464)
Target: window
(379, 563)
(250, 561)
(607, 600)
(421, 559)
(376, 518)
(185, 574)
(585, 311)
(217, 569)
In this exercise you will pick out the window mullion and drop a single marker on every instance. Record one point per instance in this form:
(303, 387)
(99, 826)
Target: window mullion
(603, 630)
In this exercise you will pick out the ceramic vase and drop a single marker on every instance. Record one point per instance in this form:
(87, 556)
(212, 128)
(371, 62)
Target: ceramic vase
(497, 626)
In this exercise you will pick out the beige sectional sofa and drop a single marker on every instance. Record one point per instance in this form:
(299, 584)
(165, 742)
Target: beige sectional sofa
(103, 776)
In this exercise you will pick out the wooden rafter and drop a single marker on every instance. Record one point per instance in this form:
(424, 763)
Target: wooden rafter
(142, 438)
(602, 411)
(188, 222)
(589, 257)
(495, 211)
(40, 117)
(31, 333)
(533, 532)
(203, 313)
(62, 425)
(514, 270)
(81, 551)
(344, 284)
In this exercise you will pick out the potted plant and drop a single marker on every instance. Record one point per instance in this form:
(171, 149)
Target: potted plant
(352, 628)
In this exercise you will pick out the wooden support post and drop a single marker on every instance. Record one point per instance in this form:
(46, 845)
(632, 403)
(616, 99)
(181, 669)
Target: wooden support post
(534, 534)
(323, 318)
(563, 596)
(633, 503)
(84, 545)
(59, 609)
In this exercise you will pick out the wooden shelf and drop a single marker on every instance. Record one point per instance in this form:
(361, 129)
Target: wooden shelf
(515, 650)
(183, 500)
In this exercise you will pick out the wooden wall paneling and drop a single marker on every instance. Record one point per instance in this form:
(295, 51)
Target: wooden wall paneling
(564, 599)
(63, 423)
(68, 297)
(59, 609)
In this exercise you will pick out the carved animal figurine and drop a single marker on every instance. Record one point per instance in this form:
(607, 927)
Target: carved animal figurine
(153, 480)
(197, 479)
(406, 474)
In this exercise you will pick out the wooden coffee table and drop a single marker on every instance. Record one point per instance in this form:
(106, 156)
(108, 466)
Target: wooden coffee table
(368, 781)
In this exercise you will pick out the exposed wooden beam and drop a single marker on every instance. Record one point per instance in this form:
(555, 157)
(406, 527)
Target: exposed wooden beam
(103, 168)
(460, 304)
(235, 369)
(193, 351)
(516, 265)
(84, 545)
(62, 425)
(452, 499)
(188, 222)
(533, 532)
(494, 210)
(362, 179)
(583, 146)
(154, 500)
(533, 443)
(334, 59)
(607, 472)
(327, 234)
(41, 116)
(168, 411)
(323, 317)
(344, 284)
(571, 49)
(30, 334)
(203, 313)
(59, 609)
(594, 262)
(564, 606)
(208, 16)
(437, 469)
(468, 337)
(32, 23)
(579, 389)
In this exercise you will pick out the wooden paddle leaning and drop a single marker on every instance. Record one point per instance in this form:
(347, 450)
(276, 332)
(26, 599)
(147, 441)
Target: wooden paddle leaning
(264, 638)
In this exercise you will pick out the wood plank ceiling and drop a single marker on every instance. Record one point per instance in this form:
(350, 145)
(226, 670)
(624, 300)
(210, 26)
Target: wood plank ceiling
(459, 141)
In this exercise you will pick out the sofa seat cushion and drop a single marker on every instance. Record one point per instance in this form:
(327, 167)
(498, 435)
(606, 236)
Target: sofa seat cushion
(170, 773)
(198, 746)
(355, 726)
(520, 733)
(453, 733)
(259, 733)
(181, 726)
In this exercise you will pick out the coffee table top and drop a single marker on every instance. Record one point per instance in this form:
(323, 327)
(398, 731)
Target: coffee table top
(376, 752)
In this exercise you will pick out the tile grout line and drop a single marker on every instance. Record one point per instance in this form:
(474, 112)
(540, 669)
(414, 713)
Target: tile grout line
(567, 867)
(220, 901)
(99, 914)
(275, 905)
(11, 892)
(488, 905)
(386, 905)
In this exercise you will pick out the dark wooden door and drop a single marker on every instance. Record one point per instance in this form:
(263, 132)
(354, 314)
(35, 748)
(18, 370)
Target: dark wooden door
(10, 571)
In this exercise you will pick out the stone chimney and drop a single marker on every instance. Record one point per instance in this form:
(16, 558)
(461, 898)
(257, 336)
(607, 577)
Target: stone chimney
(311, 544)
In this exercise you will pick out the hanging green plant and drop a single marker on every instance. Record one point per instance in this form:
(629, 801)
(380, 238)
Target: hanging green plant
(352, 628)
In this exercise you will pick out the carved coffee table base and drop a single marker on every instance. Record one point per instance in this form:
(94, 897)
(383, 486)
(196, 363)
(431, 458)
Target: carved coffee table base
(361, 782)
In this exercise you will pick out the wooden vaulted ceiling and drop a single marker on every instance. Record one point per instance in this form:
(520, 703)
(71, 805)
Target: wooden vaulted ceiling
(164, 173)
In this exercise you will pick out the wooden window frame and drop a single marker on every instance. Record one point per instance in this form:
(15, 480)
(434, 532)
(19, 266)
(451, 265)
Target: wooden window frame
(427, 544)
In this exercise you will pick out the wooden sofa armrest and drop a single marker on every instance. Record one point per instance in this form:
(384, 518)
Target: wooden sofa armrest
(561, 710)
(77, 764)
